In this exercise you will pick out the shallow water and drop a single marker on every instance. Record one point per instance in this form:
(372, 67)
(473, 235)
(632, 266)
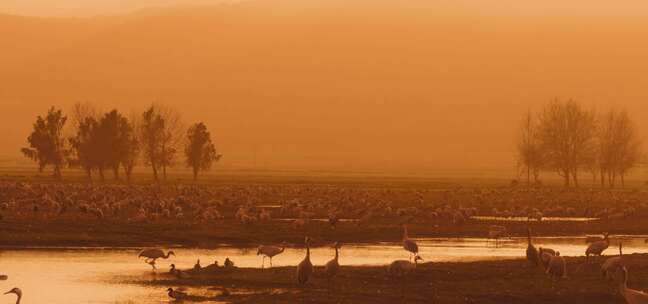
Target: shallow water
(525, 219)
(87, 275)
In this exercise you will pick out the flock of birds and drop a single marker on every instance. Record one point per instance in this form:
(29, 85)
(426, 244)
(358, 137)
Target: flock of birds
(364, 205)
(613, 269)
(305, 268)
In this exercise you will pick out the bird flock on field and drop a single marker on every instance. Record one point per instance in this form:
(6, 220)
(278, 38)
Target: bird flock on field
(614, 269)
(310, 207)
(299, 206)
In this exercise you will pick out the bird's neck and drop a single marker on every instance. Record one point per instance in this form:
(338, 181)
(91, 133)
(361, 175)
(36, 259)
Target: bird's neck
(19, 298)
(307, 251)
(167, 255)
(336, 253)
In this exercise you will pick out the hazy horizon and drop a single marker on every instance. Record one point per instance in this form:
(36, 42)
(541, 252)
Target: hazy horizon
(339, 85)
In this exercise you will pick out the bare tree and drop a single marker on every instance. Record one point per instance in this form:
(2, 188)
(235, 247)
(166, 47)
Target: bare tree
(529, 148)
(172, 136)
(151, 130)
(566, 132)
(133, 148)
(620, 147)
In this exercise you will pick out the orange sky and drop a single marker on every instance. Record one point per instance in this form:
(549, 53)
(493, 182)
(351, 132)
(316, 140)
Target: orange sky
(359, 84)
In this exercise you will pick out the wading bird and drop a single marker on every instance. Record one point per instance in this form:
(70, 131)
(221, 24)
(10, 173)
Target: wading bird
(557, 268)
(631, 296)
(597, 247)
(400, 268)
(174, 294)
(333, 266)
(409, 244)
(17, 292)
(153, 254)
(270, 251)
(611, 268)
(545, 255)
(305, 267)
(532, 253)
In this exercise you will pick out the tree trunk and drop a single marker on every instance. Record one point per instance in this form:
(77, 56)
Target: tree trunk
(575, 176)
(602, 178)
(155, 172)
(116, 172)
(195, 174)
(57, 171)
(622, 175)
(128, 170)
(528, 176)
(567, 178)
(536, 176)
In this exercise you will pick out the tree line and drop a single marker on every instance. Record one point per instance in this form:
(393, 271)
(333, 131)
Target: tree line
(566, 138)
(110, 141)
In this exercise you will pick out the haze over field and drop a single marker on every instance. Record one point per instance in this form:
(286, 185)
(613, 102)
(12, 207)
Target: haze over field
(355, 84)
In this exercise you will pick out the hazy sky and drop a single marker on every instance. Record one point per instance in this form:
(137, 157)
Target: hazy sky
(549, 9)
(385, 84)
(79, 8)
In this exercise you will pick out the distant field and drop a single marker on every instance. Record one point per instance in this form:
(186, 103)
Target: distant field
(442, 179)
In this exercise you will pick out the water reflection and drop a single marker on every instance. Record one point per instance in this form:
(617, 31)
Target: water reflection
(73, 276)
(525, 219)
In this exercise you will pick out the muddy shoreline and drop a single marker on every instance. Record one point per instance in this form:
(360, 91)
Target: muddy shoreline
(508, 281)
(119, 234)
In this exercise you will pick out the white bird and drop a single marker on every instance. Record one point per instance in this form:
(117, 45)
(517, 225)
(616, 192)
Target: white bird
(178, 295)
(17, 292)
(400, 268)
(597, 248)
(153, 254)
(631, 296)
(611, 268)
(305, 267)
(333, 266)
(409, 244)
(557, 268)
(531, 252)
(270, 251)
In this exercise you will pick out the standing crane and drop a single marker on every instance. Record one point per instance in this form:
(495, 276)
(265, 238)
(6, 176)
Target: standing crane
(611, 268)
(305, 267)
(153, 254)
(409, 244)
(333, 266)
(270, 251)
(532, 253)
(597, 248)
